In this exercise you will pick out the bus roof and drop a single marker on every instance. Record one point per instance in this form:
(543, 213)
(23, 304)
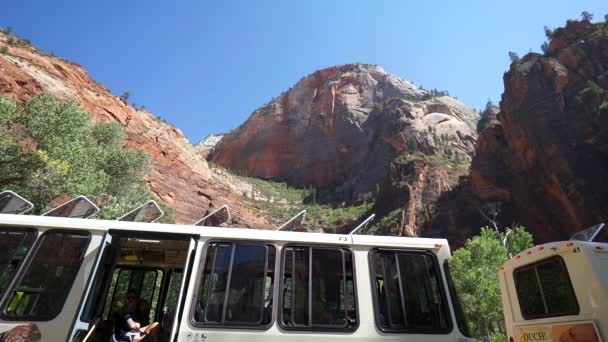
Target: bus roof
(546, 250)
(10, 220)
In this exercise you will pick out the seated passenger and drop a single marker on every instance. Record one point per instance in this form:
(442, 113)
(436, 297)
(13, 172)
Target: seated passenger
(126, 326)
(143, 313)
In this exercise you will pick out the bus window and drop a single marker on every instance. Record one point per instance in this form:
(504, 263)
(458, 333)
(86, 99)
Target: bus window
(235, 289)
(318, 289)
(544, 289)
(44, 287)
(408, 294)
(14, 244)
(145, 282)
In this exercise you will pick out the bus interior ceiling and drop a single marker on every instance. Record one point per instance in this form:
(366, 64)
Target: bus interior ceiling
(150, 267)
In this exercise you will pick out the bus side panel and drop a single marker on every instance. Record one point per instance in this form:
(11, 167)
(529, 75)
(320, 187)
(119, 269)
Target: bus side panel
(507, 302)
(366, 331)
(58, 328)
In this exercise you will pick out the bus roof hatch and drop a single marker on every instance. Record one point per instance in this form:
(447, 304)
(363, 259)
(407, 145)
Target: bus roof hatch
(148, 212)
(294, 223)
(12, 203)
(216, 218)
(79, 207)
(362, 225)
(588, 234)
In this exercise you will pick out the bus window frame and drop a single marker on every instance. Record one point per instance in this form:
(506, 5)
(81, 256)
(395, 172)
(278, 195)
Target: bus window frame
(199, 282)
(12, 281)
(571, 289)
(318, 327)
(25, 267)
(459, 314)
(88, 306)
(442, 290)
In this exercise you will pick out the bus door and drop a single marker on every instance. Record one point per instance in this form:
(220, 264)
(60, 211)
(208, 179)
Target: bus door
(175, 301)
(83, 323)
(139, 262)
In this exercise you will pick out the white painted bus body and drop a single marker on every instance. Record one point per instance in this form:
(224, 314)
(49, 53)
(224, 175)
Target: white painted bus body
(63, 326)
(586, 264)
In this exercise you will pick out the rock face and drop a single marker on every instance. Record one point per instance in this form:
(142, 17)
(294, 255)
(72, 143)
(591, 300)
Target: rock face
(545, 161)
(343, 126)
(178, 177)
(413, 186)
(205, 146)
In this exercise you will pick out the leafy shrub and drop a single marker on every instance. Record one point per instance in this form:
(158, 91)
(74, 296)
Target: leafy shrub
(475, 267)
(548, 32)
(586, 16)
(513, 56)
(68, 155)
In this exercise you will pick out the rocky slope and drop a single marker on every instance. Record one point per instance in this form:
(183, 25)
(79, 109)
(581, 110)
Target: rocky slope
(543, 163)
(342, 127)
(178, 177)
(205, 146)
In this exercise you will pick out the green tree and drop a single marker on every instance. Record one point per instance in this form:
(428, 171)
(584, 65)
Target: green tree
(548, 32)
(67, 154)
(545, 48)
(13, 159)
(513, 56)
(586, 16)
(516, 240)
(475, 267)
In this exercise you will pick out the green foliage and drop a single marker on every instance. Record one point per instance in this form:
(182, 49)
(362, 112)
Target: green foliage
(13, 159)
(68, 155)
(513, 56)
(11, 41)
(8, 30)
(586, 16)
(549, 32)
(4, 50)
(281, 201)
(412, 144)
(25, 42)
(545, 48)
(487, 117)
(386, 224)
(517, 240)
(125, 96)
(475, 267)
(592, 96)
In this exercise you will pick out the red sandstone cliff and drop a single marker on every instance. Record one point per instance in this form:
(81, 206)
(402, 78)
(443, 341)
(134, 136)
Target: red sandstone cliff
(342, 127)
(178, 177)
(544, 162)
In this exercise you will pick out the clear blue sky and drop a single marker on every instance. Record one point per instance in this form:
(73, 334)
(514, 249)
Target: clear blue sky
(206, 65)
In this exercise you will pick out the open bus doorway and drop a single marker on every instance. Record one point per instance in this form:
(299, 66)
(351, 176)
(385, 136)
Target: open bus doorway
(149, 267)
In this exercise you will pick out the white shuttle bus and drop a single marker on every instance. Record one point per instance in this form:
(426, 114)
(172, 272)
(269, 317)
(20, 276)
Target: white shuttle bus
(64, 279)
(558, 291)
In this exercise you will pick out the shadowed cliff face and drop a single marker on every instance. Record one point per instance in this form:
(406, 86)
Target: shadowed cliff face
(178, 176)
(545, 161)
(343, 126)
